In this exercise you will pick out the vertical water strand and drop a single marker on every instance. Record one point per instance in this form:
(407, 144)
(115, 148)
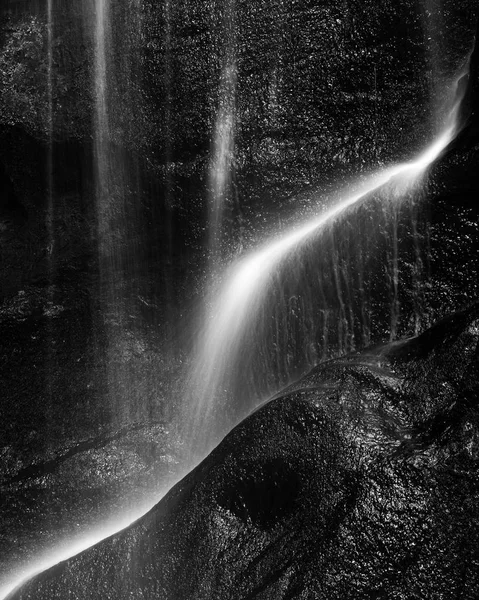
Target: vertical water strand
(325, 334)
(433, 32)
(50, 334)
(233, 321)
(109, 316)
(51, 240)
(323, 323)
(342, 331)
(347, 272)
(219, 180)
(418, 274)
(364, 297)
(440, 95)
(168, 160)
(393, 217)
(129, 191)
(116, 204)
(224, 133)
(101, 128)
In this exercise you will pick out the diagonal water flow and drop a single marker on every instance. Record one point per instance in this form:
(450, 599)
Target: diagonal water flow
(231, 315)
(234, 314)
(77, 544)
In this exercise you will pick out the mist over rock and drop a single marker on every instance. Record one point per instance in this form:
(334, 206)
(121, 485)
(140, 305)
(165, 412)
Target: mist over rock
(359, 481)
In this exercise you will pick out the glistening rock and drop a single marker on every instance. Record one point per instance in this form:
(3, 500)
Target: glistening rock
(359, 482)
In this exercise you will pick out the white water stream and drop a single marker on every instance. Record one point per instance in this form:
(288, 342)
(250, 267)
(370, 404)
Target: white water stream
(235, 313)
(237, 306)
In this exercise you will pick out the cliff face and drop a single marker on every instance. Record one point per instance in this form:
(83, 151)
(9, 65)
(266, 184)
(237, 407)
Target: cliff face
(323, 92)
(309, 74)
(359, 481)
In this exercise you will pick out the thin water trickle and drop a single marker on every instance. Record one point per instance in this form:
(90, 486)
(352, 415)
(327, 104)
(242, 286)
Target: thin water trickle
(100, 75)
(50, 190)
(116, 197)
(224, 132)
(51, 239)
(115, 188)
(168, 160)
(101, 120)
(234, 317)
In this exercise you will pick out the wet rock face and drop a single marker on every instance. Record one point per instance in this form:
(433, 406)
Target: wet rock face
(323, 92)
(359, 482)
(365, 474)
(263, 503)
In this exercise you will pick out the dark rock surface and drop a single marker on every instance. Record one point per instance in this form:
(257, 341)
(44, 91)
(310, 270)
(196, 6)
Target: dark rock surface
(360, 481)
(324, 92)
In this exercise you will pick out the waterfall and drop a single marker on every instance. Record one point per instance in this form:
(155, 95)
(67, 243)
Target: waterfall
(234, 318)
(241, 307)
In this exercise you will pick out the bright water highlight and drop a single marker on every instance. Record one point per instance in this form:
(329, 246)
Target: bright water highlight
(234, 315)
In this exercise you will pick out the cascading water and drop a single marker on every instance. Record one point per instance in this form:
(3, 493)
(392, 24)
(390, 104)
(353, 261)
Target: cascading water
(240, 307)
(234, 320)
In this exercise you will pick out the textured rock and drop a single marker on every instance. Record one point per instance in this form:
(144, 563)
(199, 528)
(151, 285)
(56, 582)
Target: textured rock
(324, 92)
(359, 482)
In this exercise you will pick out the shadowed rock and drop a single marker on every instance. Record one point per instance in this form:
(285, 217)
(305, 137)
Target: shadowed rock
(11, 211)
(359, 482)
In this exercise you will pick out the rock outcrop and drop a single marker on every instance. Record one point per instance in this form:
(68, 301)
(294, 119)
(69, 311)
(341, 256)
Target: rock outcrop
(359, 482)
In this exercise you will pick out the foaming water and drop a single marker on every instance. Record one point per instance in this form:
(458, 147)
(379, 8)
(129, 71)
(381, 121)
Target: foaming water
(233, 318)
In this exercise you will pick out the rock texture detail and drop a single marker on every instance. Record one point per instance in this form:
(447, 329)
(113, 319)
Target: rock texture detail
(359, 482)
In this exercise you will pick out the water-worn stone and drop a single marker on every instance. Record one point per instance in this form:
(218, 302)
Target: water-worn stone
(359, 482)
